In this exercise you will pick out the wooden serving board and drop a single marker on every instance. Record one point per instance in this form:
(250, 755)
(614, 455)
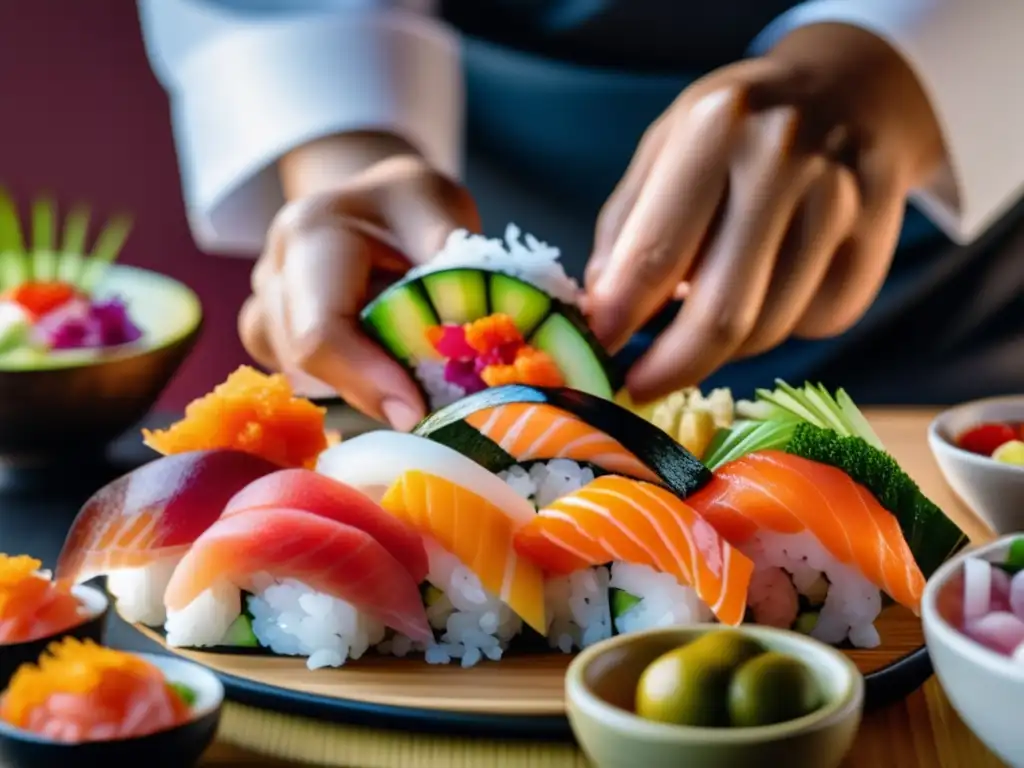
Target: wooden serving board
(525, 691)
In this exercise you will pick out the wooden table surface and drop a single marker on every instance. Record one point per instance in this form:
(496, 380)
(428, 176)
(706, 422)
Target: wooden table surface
(922, 731)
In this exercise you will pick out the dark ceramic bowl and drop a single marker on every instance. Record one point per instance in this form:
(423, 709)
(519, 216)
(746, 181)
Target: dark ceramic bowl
(178, 747)
(78, 401)
(97, 606)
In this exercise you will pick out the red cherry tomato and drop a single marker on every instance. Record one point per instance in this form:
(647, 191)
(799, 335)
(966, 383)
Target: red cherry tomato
(985, 438)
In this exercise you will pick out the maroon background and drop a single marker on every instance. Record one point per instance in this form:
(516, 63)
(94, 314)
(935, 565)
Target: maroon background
(83, 118)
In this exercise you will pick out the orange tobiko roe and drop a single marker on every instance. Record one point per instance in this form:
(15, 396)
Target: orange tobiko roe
(491, 332)
(39, 298)
(252, 412)
(31, 605)
(531, 367)
(80, 692)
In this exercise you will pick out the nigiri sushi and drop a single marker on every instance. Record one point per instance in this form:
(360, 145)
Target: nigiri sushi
(81, 692)
(509, 429)
(663, 564)
(824, 548)
(475, 616)
(137, 528)
(320, 588)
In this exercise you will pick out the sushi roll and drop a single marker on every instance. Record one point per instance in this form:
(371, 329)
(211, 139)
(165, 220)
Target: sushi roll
(81, 692)
(484, 313)
(625, 555)
(135, 530)
(509, 429)
(478, 592)
(825, 550)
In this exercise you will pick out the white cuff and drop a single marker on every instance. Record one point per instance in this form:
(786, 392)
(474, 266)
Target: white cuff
(245, 98)
(968, 57)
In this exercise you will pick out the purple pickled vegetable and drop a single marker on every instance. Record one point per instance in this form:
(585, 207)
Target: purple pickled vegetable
(462, 373)
(113, 323)
(452, 343)
(81, 325)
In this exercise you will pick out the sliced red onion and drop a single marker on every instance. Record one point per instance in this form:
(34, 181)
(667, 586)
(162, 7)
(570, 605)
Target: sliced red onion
(977, 588)
(1000, 631)
(1000, 597)
(1017, 594)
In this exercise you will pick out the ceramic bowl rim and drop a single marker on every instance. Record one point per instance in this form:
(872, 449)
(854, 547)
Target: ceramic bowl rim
(204, 681)
(963, 646)
(939, 439)
(120, 353)
(850, 699)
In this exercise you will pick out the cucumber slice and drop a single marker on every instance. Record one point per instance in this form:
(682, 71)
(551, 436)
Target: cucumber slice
(399, 319)
(185, 693)
(240, 634)
(1015, 557)
(620, 601)
(44, 266)
(575, 354)
(458, 295)
(14, 269)
(70, 267)
(525, 304)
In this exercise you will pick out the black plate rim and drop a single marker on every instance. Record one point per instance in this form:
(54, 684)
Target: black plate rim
(892, 682)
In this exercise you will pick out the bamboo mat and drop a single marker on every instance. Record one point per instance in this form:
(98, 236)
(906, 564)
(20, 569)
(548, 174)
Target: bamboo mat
(922, 731)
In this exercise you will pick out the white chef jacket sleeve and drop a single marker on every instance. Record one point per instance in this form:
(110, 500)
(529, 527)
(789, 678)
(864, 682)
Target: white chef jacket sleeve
(249, 81)
(969, 58)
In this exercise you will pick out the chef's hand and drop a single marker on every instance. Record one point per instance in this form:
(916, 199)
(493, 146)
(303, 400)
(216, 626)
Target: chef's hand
(322, 263)
(770, 195)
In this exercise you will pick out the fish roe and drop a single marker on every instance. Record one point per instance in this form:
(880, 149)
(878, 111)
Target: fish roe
(40, 298)
(531, 367)
(491, 332)
(252, 412)
(31, 605)
(79, 692)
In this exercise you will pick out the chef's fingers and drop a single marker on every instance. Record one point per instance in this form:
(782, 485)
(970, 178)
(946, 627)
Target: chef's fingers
(620, 203)
(822, 222)
(862, 262)
(252, 330)
(316, 327)
(729, 286)
(669, 221)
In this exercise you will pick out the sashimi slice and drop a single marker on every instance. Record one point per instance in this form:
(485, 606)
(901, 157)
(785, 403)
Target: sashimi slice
(782, 493)
(374, 461)
(537, 431)
(312, 492)
(475, 531)
(619, 519)
(157, 511)
(327, 556)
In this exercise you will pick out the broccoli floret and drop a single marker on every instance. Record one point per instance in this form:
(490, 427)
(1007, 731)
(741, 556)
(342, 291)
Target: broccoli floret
(931, 535)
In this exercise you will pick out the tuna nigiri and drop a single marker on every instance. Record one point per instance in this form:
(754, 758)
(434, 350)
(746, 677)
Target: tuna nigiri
(468, 528)
(311, 492)
(818, 539)
(644, 531)
(81, 692)
(335, 583)
(137, 528)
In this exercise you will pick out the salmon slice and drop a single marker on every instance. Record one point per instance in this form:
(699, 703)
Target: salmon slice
(537, 431)
(782, 493)
(617, 518)
(327, 556)
(477, 532)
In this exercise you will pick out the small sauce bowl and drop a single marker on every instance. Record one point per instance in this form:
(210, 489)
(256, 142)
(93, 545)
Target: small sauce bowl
(601, 682)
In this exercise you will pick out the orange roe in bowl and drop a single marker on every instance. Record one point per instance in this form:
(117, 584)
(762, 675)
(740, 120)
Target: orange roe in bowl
(79, 692)
(31, 605)
(531, 367)
(40, 298)
(252, 412)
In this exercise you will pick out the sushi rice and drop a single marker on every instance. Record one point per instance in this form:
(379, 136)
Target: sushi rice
(139, 592)
(521, 256)
(579, 604)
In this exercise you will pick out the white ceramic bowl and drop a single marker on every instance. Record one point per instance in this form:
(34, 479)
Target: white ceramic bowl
(984, 687)
(992, 490)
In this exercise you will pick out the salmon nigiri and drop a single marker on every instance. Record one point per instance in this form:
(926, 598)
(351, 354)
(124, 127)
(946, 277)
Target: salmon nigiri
(136, 529)
(620, 520)
(822, 543)
(337, 584)
(474, 566)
